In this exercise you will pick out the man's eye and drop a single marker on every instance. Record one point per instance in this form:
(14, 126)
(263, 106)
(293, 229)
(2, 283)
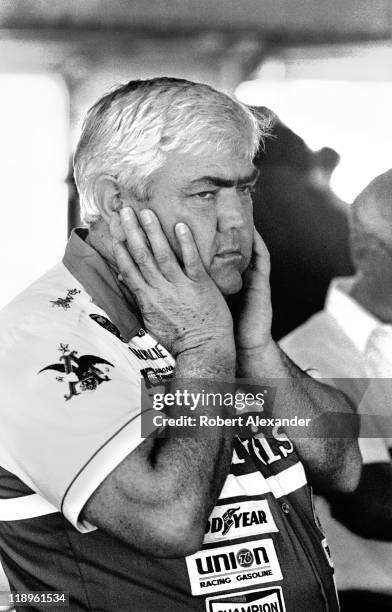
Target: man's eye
(206, 195)
(246, 189)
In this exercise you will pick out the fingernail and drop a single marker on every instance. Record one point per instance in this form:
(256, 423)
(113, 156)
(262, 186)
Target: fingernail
(146, 216)
(181, 228)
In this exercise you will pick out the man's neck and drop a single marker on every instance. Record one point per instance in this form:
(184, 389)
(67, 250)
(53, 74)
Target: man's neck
(99, 238)
(376, 300)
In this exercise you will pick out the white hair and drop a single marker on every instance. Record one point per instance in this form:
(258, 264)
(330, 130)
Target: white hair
(129, 131)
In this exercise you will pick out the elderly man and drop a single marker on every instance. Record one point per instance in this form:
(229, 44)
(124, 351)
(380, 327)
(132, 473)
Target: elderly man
(198, 521)
(350, 341)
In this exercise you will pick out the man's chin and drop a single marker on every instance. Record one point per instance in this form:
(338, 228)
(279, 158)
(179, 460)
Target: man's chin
(229, 285)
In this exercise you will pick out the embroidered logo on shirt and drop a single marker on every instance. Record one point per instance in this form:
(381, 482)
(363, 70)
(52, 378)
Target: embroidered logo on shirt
(80, 373)
(245, 519)
(65, 303)
(229, 567)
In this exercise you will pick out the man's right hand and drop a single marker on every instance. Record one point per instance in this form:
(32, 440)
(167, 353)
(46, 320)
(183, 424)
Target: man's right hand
(182, 308)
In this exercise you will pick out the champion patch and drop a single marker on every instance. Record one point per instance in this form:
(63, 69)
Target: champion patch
(264, 600)
(79, 373)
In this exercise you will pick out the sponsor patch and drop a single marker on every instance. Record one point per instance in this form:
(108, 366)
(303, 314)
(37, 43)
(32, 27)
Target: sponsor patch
(151, 353)
(155, 377)
(79, 373)
(264, 600)
(239, 520)
(233, 567)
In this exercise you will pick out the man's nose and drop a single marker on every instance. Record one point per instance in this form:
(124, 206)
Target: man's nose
(230, 211)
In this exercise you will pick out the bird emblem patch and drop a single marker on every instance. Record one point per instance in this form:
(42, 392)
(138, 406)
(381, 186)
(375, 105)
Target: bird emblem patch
(65, 303)
(79, 373)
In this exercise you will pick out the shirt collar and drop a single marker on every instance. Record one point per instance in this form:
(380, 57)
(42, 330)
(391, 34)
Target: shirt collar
(357, 323)
(99, 280)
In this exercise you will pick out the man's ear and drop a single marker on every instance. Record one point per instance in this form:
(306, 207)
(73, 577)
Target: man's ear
(107, 197)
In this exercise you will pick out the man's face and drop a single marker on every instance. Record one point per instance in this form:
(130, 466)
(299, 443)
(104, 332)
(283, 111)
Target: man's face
(211, 193)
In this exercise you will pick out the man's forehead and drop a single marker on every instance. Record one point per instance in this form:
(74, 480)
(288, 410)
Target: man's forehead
(375, 201)
(372, 209)
(211, 164)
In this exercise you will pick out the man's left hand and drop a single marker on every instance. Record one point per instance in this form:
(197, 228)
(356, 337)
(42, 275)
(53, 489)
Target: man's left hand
(254, 315)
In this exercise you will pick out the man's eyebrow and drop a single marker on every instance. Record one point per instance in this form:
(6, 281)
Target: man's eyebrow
(218, 181)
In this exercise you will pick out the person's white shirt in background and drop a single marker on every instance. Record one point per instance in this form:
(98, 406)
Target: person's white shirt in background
(350, 348)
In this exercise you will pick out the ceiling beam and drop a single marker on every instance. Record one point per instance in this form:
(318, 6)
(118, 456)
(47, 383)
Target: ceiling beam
(330, 19)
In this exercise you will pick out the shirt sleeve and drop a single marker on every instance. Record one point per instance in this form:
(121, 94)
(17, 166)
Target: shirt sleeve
(71, 414)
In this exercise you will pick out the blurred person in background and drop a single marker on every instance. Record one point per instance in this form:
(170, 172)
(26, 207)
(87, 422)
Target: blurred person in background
(303, 223)
(350, 341)
(164, 171)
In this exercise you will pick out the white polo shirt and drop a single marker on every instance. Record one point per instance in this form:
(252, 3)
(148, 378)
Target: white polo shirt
(72, 358)
(350, 348)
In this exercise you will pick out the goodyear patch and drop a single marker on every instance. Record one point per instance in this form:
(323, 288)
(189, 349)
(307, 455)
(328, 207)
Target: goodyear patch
(239, 520)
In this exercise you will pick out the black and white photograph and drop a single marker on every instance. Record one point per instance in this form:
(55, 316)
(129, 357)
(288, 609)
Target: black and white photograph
(196, 306)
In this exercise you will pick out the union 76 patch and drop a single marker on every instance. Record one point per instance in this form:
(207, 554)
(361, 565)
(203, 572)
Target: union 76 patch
(79, 373)
(233, 567)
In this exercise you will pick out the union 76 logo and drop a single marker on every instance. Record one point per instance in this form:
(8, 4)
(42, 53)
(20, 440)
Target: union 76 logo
(245, 557)
(80, 373)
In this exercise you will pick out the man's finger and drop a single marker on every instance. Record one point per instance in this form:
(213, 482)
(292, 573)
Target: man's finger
(193, 265)
(128, 270)
(163, 253)
(137, 245)
(261, 256)
(257, 274)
